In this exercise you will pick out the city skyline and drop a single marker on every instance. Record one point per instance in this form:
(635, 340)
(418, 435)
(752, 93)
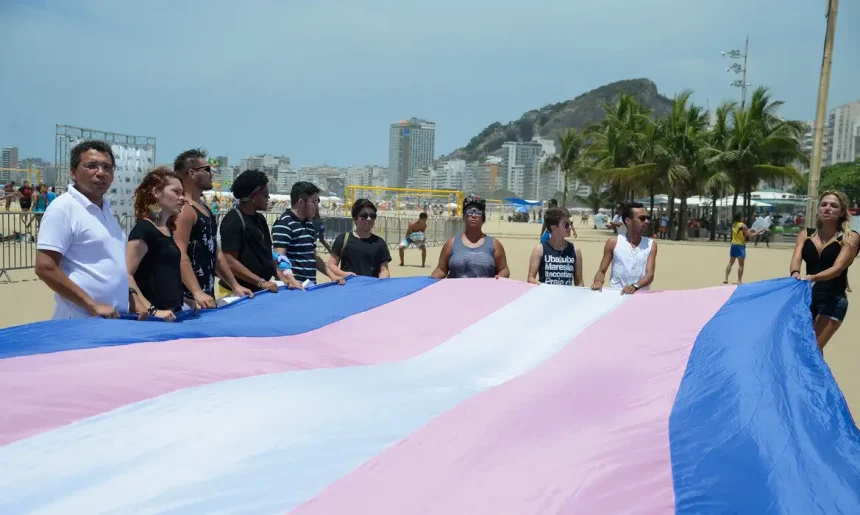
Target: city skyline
(235, 95)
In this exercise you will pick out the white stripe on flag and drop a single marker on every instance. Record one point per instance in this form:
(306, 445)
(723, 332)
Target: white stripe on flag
(268, 443)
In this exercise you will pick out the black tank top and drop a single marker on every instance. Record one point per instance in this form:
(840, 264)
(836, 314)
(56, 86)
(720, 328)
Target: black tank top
(816, 264)
(203, 250)
(556, 266)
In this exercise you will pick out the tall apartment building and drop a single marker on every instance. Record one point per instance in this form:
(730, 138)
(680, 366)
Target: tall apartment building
(520, 168)
(411, 147)
(9, 157)
(840, 138)
(450, 175)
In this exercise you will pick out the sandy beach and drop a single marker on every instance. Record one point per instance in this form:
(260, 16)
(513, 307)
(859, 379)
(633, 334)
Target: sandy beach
(680, 265)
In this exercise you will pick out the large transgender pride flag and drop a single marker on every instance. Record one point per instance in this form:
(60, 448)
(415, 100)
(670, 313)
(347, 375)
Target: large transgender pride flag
(407, 396)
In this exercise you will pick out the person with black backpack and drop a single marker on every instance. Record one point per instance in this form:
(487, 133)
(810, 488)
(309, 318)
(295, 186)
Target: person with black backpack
(245, 237)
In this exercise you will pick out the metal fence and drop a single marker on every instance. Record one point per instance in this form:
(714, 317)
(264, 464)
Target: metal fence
(18, 241)
(18, 232)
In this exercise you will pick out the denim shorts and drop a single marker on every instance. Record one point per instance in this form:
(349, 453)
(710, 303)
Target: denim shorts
(834, 307)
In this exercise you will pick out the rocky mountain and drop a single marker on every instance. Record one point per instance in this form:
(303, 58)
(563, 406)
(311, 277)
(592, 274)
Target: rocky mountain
(551, 119)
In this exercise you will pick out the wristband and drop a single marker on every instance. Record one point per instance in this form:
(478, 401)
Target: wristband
(152, 309)
(794, 272)
(260, 283)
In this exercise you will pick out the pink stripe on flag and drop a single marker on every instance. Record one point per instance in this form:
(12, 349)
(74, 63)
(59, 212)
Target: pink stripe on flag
(45, 391)
(585, 432)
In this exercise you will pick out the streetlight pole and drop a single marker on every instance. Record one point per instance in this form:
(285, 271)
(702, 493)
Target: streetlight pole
(738, 68)
(744, 79)
(820, 114)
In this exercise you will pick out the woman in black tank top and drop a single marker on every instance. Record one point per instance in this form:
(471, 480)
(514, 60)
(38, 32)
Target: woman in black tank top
(827, 254)
(556, 261)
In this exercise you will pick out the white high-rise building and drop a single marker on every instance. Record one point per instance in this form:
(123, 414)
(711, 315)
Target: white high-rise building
(840, 145)
(9, 157)
(520, 167)
(450, 175)
(411, 147)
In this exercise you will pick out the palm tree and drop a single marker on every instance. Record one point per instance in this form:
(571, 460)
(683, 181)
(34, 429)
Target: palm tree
(569, 160)
(684, 140)
(616, 148)
(718, 179)
(760, 146)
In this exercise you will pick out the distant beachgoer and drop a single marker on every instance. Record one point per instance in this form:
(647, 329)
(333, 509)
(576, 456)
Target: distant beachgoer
(827, 254)
(738, 250)
(9, 194)
(321, 232)
(556, 261)
(25, 196)
(633, 256)
(472, 253)
(50, 196)
(664, 226)
(360, 252)
(152, 257)
(81, 246)
(617, 223)
(544, 232)
(416, 234)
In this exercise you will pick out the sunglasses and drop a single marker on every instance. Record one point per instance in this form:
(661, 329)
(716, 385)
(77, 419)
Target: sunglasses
(207, 168)
(566, 225)
(367, 216)
(644, 218)
(474, 212)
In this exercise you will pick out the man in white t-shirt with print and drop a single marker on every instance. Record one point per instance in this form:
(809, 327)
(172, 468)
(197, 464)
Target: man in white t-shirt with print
(81, 247)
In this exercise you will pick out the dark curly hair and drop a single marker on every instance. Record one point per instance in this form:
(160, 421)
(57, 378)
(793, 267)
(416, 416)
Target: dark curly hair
(247, 183)
(144, 195)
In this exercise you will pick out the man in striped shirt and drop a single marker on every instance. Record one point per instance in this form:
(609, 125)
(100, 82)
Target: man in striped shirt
(295, 234)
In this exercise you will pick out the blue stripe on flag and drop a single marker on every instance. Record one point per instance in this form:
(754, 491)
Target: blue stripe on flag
(759, 420)
(267, 315)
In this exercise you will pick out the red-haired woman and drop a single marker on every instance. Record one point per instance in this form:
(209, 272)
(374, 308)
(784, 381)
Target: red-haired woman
(152, 257)
(827, 253)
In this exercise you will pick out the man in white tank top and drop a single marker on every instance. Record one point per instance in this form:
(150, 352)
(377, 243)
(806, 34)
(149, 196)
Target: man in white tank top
(633, 257)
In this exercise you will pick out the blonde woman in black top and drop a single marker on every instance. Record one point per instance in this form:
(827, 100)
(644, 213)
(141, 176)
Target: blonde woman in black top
(827, 254)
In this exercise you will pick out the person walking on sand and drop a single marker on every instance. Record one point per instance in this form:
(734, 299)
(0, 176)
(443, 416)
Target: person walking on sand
(556, 261)
(738, 250)
(633, 257)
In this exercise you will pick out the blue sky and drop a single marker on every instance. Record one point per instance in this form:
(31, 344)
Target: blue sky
(321, 80)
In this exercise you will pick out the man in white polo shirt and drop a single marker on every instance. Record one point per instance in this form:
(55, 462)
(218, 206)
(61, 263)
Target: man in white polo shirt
(81, 247)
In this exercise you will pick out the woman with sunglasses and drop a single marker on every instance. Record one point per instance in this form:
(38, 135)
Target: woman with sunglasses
(827, 253)
(556, 261)
(473, 253)
(360, 252)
